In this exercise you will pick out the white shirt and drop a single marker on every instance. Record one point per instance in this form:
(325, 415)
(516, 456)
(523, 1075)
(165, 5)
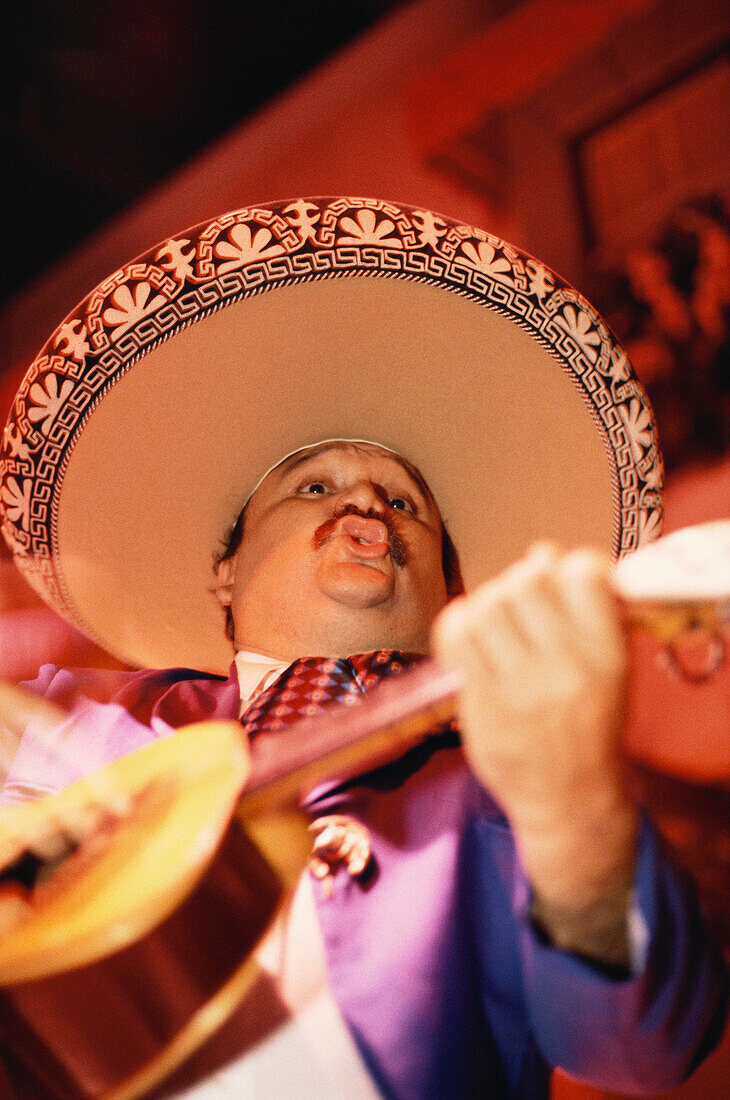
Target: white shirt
(312, 1056)
(256, 673)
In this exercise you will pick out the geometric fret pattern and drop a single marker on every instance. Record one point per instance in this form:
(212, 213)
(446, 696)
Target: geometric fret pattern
(245, 251)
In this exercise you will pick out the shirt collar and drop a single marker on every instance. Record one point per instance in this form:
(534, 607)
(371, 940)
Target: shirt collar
(255, 673)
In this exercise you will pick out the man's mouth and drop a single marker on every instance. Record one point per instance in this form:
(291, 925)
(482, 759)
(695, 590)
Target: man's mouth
(367, 537)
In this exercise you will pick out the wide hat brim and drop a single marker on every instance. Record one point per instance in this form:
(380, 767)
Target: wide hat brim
(153, 410)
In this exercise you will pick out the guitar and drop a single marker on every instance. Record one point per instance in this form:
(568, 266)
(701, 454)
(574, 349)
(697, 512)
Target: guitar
(195, 840)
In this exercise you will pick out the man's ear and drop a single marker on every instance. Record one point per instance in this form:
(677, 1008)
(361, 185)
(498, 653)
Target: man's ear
(226, 577)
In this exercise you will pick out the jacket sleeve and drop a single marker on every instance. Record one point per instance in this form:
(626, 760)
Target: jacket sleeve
(639, 1034)
(96, 730)
(109, 714)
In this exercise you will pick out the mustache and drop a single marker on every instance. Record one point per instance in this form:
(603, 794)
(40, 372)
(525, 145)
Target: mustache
(397, 547)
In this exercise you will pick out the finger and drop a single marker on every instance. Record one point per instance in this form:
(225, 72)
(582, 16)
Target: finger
(567, 605)
(533, 610)
(590, 601)
(495, 637)
(542, 618)
(455, 637)
(486, 621)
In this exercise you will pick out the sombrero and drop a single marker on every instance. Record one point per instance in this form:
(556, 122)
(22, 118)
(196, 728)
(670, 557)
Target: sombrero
(155, 407)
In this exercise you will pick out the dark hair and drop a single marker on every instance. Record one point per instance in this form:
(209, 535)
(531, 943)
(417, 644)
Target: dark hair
(449, 561)
(230, 546)
(451, 565)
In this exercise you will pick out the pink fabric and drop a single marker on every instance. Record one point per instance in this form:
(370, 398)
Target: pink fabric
(674, 725)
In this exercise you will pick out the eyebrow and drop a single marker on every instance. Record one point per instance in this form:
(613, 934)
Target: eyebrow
(297, 459)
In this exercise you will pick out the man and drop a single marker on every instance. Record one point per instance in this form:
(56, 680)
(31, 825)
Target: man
(540, 650)
(465, 956)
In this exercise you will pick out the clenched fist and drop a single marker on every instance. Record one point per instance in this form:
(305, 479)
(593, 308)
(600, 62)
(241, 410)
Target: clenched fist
(542, 657)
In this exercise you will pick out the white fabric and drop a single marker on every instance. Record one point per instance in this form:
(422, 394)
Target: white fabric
(255, 674)
(305, 1059)
(312, 1055)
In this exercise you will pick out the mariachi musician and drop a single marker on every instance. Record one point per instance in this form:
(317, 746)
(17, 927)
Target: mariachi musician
(233, 420)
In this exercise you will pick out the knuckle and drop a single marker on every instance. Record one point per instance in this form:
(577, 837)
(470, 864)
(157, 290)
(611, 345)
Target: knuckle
(450, 626)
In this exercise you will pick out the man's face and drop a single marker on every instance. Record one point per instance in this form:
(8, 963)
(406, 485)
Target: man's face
(341, 553)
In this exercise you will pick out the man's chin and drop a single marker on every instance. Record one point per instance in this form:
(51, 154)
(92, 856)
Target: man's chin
(358, 586)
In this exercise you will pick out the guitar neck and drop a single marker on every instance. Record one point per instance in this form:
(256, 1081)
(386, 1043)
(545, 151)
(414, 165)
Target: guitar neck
(342, 740)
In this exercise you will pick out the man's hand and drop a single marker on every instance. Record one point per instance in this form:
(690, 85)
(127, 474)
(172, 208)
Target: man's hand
(542, 655)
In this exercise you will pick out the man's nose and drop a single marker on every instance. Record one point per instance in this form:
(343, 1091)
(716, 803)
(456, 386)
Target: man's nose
(365, 495)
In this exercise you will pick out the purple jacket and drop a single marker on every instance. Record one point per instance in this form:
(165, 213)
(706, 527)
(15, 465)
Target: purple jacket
(440, 976)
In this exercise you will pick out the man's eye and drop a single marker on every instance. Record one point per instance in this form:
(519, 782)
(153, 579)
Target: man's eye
(313, 488)
(400, 504)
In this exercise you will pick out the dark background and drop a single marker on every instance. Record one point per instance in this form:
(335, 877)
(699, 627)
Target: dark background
(101, 100)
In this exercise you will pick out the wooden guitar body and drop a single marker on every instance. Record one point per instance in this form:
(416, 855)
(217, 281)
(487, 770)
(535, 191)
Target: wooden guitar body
(138, 946)
(126, 954)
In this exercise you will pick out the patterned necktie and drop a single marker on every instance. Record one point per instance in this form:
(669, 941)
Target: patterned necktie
(311, 683)
(302, 691)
